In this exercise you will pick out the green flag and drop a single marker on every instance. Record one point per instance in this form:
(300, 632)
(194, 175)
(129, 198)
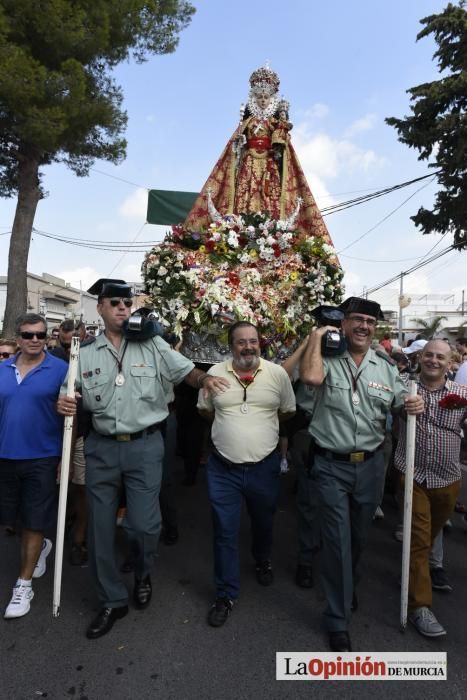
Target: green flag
(168, 207)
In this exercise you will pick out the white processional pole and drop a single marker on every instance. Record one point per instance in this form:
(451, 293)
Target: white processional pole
(408, 492)
(64, 473)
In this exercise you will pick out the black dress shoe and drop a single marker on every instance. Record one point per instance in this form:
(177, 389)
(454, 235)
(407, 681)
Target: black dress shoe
(104, 621)
(340, 641)
(304, 576)
(142, 592)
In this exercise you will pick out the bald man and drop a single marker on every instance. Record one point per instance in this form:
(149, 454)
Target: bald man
(437, 476)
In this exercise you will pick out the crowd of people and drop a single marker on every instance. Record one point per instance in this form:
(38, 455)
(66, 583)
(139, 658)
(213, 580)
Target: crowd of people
(340, 412)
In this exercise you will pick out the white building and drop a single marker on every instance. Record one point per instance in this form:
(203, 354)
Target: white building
(426, 307)
(55, 299)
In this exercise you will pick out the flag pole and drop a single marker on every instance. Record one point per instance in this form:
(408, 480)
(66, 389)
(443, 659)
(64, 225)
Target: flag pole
(408, 493)
(64, 473)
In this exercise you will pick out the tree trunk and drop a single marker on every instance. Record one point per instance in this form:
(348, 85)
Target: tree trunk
(17, 287)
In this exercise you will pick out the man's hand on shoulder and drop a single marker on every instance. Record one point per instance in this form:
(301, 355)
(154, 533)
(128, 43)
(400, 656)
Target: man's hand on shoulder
(214, 385)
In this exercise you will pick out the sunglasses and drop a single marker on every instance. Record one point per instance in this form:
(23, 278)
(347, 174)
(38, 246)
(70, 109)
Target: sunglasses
(128, 302)
(6, 355)
(27, 335)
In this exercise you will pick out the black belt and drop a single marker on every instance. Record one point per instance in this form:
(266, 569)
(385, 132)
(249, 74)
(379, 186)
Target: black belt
(236, 465)
(127, 437)
(347, 456)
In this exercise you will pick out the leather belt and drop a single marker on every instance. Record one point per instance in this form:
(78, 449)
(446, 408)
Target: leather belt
(352, 457)
(128, 437)
(235, 465)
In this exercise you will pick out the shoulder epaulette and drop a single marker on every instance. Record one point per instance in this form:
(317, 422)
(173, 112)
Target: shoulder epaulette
(385, 356)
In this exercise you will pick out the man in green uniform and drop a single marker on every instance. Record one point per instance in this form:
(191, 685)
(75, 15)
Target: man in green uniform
(122, 384)
(355, 392)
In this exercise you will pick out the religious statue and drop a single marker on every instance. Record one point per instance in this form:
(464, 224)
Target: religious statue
(258, 170)
(254, 245)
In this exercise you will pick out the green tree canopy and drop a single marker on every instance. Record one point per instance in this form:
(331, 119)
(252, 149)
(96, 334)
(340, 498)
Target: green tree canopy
(58, 99)
(438, 125)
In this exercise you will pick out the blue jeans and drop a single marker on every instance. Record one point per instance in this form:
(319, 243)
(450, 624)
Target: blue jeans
(259, 485)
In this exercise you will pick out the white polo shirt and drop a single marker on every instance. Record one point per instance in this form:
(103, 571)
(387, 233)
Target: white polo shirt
(248, 435)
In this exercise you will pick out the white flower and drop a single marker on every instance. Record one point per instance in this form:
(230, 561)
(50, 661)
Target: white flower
(167, 279)
(162, 271)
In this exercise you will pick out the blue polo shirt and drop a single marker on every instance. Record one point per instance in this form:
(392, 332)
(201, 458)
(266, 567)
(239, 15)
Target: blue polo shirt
(30, 427)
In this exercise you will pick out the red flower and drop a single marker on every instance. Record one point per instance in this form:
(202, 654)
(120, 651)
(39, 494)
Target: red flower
(452, 402)
(234, 279)
(248, 379)
(210, 245)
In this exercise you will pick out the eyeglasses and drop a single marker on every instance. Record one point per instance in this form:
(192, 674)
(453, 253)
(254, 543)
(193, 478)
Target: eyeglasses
(27, 335)
(128, 302)
(6, 355)
(360, 320)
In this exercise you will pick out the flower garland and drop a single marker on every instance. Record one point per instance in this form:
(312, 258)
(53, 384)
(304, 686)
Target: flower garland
(247, 267)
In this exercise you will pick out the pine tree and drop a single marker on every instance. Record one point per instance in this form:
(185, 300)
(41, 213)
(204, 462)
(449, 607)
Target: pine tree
(438, 125)
(58, 100)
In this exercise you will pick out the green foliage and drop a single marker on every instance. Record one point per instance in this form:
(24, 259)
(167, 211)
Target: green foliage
(430, 328)
(438, 125)
(58, 101)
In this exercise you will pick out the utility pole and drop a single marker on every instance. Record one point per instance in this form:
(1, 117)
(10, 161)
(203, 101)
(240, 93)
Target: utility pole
(401, 291)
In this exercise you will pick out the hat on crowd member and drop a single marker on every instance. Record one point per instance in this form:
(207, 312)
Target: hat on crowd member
(416, 346)
(105, 287)
(362, 306)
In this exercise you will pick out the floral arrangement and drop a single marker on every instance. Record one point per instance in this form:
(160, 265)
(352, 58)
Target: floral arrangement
(247, 267)
(452, 402)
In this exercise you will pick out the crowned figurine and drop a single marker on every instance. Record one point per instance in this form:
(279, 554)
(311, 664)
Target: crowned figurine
(254, 245)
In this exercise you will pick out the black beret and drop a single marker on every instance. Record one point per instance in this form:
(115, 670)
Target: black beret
(105, 287)
(362, 306)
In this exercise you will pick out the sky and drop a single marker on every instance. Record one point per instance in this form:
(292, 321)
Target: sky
(344, 67)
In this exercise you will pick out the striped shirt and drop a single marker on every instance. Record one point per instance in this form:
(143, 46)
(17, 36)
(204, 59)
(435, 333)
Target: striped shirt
(437, 438)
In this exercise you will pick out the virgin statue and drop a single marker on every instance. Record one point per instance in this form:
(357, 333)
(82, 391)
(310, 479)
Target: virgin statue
(258, 170)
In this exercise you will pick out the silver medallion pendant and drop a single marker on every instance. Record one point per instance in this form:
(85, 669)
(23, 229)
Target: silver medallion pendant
(355, 398)
(119, 379)
(244, 408)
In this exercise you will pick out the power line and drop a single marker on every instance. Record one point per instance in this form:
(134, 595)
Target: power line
(384, 218)
(341, 206)
(416, 267)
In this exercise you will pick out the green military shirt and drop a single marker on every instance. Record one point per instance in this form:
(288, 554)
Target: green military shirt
(147, 368)
(344, 423)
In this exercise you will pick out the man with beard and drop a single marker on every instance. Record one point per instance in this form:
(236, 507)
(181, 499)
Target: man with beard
(244, 462)
(354, 393)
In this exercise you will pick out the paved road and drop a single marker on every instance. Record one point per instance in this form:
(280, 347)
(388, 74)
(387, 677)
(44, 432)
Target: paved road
(168, 651)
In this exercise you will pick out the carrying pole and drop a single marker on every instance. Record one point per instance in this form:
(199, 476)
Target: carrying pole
(408, 493)
(64, 473)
